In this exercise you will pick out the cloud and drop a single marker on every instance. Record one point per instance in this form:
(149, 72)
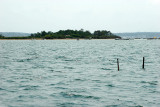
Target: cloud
(156, 2)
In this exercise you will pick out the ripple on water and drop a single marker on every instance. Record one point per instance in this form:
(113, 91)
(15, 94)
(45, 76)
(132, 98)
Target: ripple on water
(2, 89)
(24, 60)
(110, 85)
(29, 87)
(79, 73)
(107, 69)
(150, 82)
(68, 104)
(71, 95)
(69, 67)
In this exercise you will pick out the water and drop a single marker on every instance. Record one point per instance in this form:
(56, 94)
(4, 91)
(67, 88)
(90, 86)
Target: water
(66, 73)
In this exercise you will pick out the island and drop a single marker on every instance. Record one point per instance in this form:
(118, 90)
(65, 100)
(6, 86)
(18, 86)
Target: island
(68, 34)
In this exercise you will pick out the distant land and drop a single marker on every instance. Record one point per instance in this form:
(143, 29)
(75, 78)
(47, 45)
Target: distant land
(138, 34)
(61, 34)
(123, 35)
(15, 34)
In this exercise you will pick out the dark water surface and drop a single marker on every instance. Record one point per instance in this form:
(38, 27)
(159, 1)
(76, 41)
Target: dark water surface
(49, 73)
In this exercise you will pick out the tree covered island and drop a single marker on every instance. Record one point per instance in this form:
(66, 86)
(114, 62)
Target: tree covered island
(68, 34)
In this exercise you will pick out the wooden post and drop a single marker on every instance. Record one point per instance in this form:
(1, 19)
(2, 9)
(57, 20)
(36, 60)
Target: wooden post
(143, 63)
(118, 64)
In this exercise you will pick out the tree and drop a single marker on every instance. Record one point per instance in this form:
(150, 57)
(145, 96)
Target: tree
(99, 34)
(1, 36)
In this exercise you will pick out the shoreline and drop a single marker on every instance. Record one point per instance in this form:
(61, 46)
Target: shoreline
(57, 39)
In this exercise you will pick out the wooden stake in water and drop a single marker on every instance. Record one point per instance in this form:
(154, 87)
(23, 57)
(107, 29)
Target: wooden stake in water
(118, 64)
(143, 63)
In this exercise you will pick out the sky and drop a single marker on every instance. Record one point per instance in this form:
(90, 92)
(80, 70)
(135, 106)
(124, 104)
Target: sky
(32, 16)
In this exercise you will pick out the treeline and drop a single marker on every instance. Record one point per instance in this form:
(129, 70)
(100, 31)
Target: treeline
(3, 37)
(63, 34)
(72, 34)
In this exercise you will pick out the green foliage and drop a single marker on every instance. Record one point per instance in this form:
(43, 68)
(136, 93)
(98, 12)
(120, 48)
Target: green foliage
(54, 36)
(1, 36)
(61, 34)
(103, 34)
(16, 38)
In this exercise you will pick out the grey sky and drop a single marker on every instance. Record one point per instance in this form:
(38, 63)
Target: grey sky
(53, 15)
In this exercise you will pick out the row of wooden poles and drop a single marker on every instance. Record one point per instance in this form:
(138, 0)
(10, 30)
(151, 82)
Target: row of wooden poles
(119, 68)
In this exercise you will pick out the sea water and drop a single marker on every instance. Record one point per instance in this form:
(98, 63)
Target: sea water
(71, 73)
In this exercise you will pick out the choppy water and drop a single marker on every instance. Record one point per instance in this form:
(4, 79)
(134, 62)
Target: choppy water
(49, 73)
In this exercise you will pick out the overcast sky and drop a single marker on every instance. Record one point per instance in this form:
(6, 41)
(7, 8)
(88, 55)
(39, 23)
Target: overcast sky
(52, 15)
